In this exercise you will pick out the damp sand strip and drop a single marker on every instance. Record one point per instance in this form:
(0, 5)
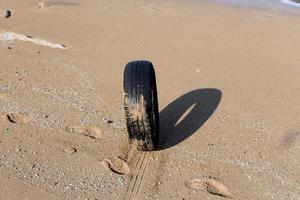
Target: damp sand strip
(11, 36)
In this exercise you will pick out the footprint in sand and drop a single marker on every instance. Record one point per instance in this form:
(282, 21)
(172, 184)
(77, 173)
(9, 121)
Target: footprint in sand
(290, 138)
(194, 184)
(2, 96)
(151, 8)
(5, 13)
(118, 165)
(57, 3)
(42, 5)
(89, 131)
(209, 185)
(68, 149)
(11, 36)
(18, 118)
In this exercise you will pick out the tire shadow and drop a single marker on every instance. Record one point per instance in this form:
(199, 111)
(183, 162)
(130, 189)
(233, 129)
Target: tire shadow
(185, 115)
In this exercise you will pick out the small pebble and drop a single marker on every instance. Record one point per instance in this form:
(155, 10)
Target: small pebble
(110, 121)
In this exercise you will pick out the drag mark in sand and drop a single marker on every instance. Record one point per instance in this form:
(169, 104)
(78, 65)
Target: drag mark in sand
(11, 36)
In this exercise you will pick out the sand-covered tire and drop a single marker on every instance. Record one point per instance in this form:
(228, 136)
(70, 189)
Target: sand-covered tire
(141, 105)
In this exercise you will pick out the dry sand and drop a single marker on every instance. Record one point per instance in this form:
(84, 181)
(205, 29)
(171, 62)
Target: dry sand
(236, 72)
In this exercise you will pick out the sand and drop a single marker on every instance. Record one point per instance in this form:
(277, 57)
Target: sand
(228, 87)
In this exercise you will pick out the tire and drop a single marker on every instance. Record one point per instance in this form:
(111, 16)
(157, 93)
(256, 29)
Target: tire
(141, 105)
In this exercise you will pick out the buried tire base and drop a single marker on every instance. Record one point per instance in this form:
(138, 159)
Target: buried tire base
(141, 105)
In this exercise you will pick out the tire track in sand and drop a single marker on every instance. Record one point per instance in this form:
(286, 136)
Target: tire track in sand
(139, 168)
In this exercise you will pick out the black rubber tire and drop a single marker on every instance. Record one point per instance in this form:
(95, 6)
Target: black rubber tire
(141, 105)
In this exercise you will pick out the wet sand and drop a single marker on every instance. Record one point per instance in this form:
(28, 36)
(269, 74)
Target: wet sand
(228, 86)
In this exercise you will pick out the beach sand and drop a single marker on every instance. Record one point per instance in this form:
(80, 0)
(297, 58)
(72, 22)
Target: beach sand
(228, 87)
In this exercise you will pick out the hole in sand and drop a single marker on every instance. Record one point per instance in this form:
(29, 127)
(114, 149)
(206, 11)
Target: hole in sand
(8, 14)
(5, 13)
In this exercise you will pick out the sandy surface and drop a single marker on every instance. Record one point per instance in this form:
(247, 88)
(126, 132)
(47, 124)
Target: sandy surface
(229, 92)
